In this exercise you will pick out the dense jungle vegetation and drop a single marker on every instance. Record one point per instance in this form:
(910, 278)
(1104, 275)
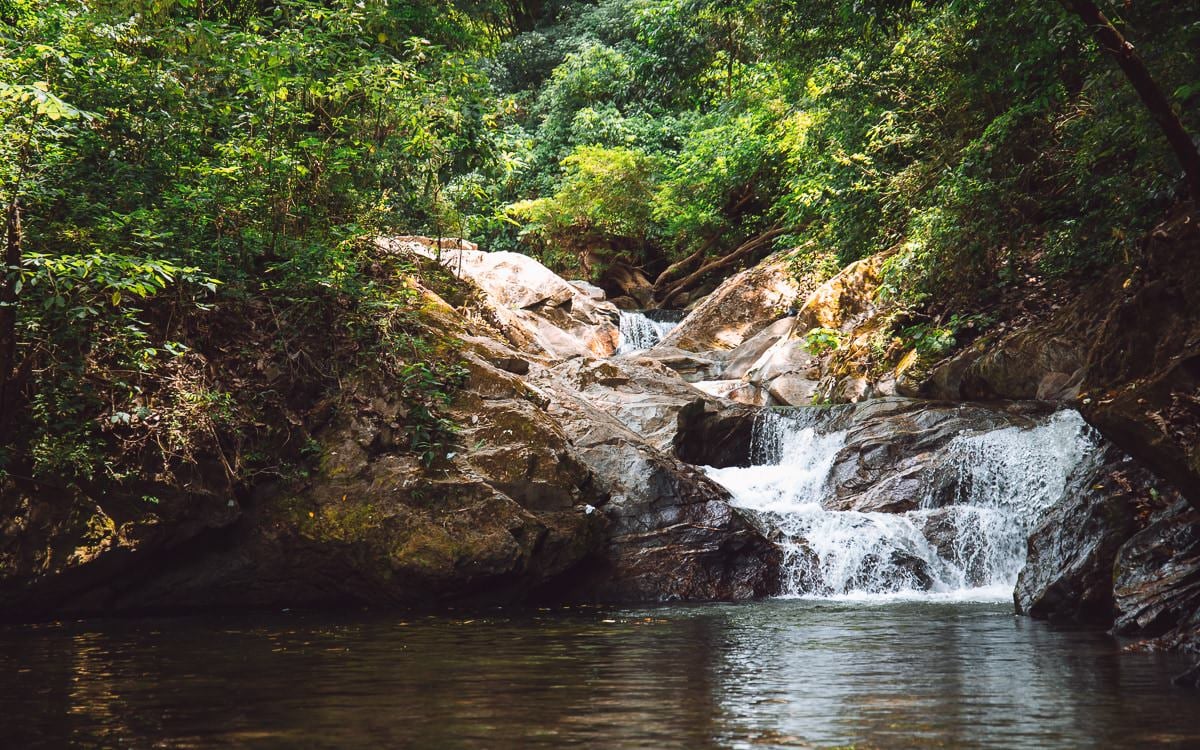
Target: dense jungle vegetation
(170, 169)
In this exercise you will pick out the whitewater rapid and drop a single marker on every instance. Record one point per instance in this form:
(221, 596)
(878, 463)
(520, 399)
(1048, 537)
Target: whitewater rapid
(971, 549)
(642, 330)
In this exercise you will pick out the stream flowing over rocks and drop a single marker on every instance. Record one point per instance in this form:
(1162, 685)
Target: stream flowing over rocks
(951, 520)
(610, 455)
(642, 329)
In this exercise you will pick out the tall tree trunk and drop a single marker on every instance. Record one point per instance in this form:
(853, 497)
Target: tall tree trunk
(1114, 43)
(8, 304)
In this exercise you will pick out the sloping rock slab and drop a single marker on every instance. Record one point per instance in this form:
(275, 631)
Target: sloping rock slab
(537, 311)
(674, 535)
(644, 396)
(885, 464)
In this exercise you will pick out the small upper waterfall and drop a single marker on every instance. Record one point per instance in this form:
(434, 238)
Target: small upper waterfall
(642, 329)
(972, 548)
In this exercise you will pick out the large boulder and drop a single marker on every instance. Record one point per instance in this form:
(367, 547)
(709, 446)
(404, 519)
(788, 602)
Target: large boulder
(893, 459)
(1157, 419)
(691, 366)
(376, 522)
(535, 309)
(740, 307)
(673, 533)
(793, 374)
(623, 281)
(741, 360)
(736, 390)
(1068, 577)
(508, 514)
(1026, 364)
(70, 552)
(643, 395)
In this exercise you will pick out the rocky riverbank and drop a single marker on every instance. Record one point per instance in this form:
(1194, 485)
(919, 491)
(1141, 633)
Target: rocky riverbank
(573, 476)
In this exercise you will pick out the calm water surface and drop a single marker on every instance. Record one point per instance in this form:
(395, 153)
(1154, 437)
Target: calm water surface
(775, 674)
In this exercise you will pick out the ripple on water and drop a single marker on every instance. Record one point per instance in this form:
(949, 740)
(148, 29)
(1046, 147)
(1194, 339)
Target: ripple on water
(806, 673)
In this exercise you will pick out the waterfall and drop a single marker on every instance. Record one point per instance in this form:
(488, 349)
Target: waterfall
(973, 548)
(642, 329)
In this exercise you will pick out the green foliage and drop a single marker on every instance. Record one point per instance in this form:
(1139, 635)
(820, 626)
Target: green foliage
(169, 158)
(820, 341)
(604, 199)
(931, 340)
(429, 389)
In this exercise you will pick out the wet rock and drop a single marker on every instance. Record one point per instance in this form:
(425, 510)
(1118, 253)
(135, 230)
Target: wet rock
(1157, 420)
(1189, 679)
(886, 462)
(1157, 581)
(719, 435)
(958, 539)
(674, 534)
(1068, 577)
(894, 570)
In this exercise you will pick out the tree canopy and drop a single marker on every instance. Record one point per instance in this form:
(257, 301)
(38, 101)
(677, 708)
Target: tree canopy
(157, 156)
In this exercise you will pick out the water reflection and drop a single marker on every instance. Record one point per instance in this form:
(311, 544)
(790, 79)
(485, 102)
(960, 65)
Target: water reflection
(776, 674)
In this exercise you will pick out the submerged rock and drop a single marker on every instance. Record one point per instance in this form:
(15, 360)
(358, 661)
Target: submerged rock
(958, 539)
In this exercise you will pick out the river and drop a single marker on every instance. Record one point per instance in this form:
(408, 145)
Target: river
(894, 630)
(782, 673)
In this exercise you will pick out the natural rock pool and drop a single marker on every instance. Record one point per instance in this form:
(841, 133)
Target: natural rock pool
(783, 673)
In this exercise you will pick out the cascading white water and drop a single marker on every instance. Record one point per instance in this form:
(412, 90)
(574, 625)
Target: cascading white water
(639, 331)
(1005, 480)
